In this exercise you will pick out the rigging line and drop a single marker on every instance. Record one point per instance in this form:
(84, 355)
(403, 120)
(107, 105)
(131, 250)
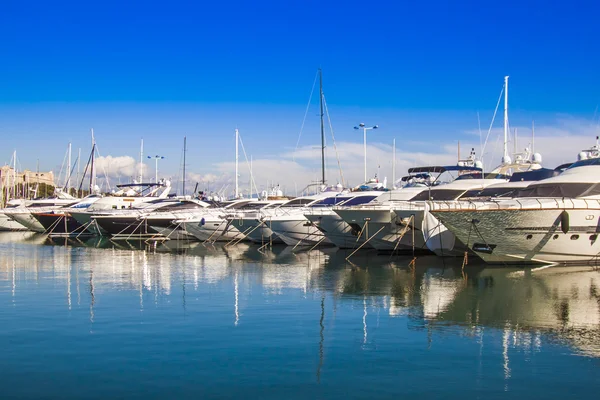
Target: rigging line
(493, 152)
(62, 167)
(480, 138)
(492, 123)
(180, 172)
(305, 114)
(103, 168)
(337, 156)
(248, 164)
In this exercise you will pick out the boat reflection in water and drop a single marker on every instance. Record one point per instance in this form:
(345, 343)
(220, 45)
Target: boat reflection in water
(484, 323)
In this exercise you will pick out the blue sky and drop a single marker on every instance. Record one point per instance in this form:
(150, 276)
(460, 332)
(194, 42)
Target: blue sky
(165, 70)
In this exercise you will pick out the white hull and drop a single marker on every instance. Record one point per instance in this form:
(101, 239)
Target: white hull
(527, 235)
(173, 233)
(211, 230)
(298, 232)
(7, 224)
(257, 234)
(27, 220)
(384, 230)
(431, 233)
(337, 230)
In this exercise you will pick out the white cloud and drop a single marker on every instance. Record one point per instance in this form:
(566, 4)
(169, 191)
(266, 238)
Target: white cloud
(120, 169)
(558, 142)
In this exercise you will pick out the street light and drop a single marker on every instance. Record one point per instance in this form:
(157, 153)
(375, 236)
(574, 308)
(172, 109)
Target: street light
(156, 158)
(365, 129)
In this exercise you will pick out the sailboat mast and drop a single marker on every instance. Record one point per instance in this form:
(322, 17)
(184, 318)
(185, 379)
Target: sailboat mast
(142, 160)
(15, 174)
(394, 163)
(505, 158)
(78, 169)
(184, 151)
(237, 137)
(532, 137)
(322, 126)
(92, 166)
(69, 170)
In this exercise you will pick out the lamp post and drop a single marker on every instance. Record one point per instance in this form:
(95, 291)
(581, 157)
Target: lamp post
(156, 158)
(365, 129)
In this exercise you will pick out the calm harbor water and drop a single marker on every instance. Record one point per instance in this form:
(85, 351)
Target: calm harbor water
(100, 319)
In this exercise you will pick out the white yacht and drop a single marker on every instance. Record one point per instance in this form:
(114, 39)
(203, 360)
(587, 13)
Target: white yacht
(555, 220)
(129, 196)
(337, 231)
(290, 225)
(23, 213)
(378, 225)
(248, 220)
(8, 224)
(211, 224)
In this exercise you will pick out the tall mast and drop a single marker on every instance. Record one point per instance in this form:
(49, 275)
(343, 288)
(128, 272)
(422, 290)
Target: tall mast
(322, 126)
(37, 186)
(184, 151)
(15, 173)
(237, 136)
(506, 158)
(532, 137)
(92, 166)
(78, 170)
(69, 170)
(394, 163)
(142, 160)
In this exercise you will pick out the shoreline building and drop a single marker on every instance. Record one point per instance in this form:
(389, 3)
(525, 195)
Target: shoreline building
(21, 181)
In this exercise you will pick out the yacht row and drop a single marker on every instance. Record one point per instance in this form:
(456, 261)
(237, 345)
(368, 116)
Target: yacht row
(518, 213)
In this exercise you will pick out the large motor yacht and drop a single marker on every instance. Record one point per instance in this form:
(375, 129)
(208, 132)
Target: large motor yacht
(378, 225)
(555, 220)
(128, 197)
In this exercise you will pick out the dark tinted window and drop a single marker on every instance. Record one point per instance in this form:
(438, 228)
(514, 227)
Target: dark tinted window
(298, 202)
(331, 201)
(252, 206)
(478, 175)
(497, 192)
(359, 200)
(535, 175)
(187, 205)
(438, 194)
(583, 163)
(561, 190)
(237, 206)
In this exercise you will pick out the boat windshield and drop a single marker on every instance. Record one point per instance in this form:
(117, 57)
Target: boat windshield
(585, 163)
(478, 175)
(565, 189)
(331, 201)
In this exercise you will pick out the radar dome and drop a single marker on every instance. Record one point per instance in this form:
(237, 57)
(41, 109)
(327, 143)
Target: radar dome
(582, 156)
(506, 160)
(537, 158)
(478, 164)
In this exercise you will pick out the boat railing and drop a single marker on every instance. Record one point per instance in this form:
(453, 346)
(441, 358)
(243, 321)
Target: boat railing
(514, 204)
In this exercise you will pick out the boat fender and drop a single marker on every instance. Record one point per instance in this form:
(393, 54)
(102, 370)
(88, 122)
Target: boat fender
(202, 222)
(564, 222)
